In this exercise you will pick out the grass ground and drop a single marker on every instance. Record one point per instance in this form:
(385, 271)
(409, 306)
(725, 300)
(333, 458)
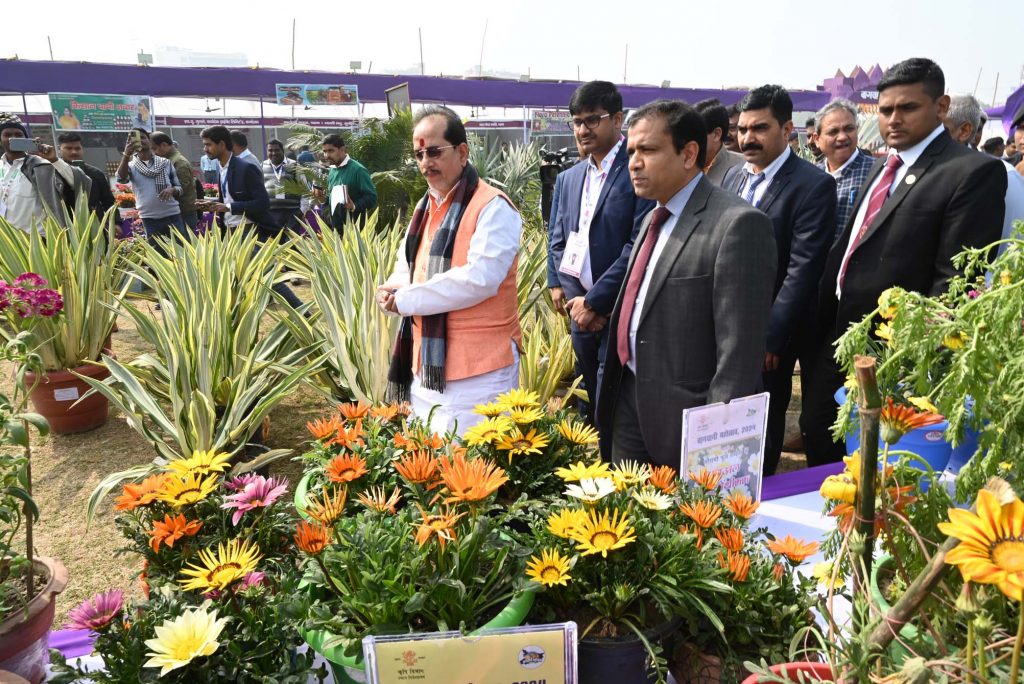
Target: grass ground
(66, 469)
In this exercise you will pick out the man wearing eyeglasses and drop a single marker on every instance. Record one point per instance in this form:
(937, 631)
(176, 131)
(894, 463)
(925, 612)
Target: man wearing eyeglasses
(590, 234)
(454, 284)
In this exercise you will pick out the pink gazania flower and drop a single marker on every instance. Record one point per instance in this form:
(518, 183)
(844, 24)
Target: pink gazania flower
(253, 579)
(237, 484)
(96, 613)
(259, 493)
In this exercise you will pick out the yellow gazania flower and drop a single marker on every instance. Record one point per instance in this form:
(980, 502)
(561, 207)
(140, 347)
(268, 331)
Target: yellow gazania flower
(578, 432)
(991, 549)
(580, 470)
(328, 508)
(888, 302)
(741, 505)
(187, 490)
(193, 634)
(491, 410)
(519, 398)
(1005, 277)
(562, 523)
(471, 481)
(823, 573)
(487, 431)
(841, 487)
(956, 341)
(518, 444)
(219, 570)
(708, 479)
(550, 569)
(651, 499)
(630, 473)
(884, 332)
(591, 490)
(375, 499)
(923, 404)
(525, 416)
(599, 534)
(201, 463)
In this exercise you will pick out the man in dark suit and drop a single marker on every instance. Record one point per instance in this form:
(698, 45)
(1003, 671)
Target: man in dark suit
(594, 218)
(244, 202)
(921, 204)
(689, 325)
(720, 159)
(801, 202)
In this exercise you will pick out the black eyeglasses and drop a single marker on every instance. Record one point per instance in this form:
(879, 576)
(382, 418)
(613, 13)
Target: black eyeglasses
(432, 152)
(591, 122)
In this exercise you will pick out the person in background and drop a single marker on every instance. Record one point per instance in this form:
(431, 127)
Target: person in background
(285, 208)
(836, 136)
(163, 146)
(994, 147)
(732, 142)
(240, 148)
(350, 193)
(1010, 149)
(101, 197)
(719, 158)
(156, 187)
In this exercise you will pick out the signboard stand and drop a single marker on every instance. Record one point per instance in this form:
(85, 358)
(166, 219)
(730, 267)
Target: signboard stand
(518, 655)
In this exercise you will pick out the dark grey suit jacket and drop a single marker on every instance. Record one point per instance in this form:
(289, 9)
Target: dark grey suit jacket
(724, 160)
(702, 329)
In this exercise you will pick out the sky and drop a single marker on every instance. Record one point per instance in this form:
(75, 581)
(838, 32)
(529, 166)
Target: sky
(741, 43)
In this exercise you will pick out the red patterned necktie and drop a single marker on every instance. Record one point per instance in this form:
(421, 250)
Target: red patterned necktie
(875, 202)
(636, 278)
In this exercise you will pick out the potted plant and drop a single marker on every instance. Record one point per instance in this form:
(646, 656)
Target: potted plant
(436, 554)
(221, 599)
(85, 264)
(29, 584)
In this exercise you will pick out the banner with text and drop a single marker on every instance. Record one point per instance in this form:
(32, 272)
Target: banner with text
(312, 95)
(87, 112)
(728, 438)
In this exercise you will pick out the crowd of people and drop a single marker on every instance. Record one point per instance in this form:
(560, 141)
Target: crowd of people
(700, 256)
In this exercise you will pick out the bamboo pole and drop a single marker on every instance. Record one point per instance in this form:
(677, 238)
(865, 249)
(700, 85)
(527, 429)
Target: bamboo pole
(870, 407)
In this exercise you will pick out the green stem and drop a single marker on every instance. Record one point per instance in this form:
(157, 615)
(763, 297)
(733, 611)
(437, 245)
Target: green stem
(1015, 663)
(969, 650)
(982, 665)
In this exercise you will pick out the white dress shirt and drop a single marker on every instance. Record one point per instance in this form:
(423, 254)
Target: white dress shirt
(18, 197)
(597, 174)
(909, 157)
(676, 205)
(1014, 202)
(838, 173)
(769, 175)
(230, 220)
(248, 156)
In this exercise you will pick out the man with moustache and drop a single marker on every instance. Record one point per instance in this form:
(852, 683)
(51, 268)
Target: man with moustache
(835, 135)
(923, 203)
(689, 324)
(454, 284)
(592, 227)
(801, 202)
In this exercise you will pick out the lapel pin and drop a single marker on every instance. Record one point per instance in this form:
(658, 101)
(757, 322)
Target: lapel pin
(911, 179)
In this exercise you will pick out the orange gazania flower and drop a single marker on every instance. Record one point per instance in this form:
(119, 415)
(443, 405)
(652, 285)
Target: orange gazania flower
(792, 548)
(778, 571)
(375, 499)
(417, 467)
(353, 411)
(327, 508)
(731, 538)
(738, 565)
(708, 479)
(412, 441)
(171, 530)
(441, 525)
(324, 429)
(896, 421)
(390, 412)
(696, 532)
(348, 438)
(741, 505)
(471, 481)
(312, 538)
(142, 493)
(705, 513)
(346, 468)
(664, 478)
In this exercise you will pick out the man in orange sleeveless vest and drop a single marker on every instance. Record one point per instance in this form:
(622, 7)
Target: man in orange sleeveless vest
(454, 283)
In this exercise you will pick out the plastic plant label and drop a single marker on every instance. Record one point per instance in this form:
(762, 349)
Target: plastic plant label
(66, 394)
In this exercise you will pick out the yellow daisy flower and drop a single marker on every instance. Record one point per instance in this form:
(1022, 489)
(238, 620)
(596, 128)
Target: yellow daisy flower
(490, 410)
(219, 570)
(651, 499)
(193, 634)
(550, 569)
(518, 444)
(187, 490)
(823, 573)
(991, 549)
(578, 432)
(519, 398)
(487, 431)
(525, 416)
(599, 534)
(201, 463)
(580, 470)
(630, 473)
(923, 404)
(562, 523)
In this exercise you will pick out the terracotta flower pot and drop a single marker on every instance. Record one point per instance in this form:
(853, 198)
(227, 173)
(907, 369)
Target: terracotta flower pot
(56, 395)
(811, 672)
(24, 636)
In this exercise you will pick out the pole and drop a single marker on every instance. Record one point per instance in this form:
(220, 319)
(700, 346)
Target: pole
(482, 39)
(625, 63)
(977, 83)
(48, 42)
(526, 128)
(423, 67)
(263, 127)
(995, 91)
(293, 43)
(24, 105)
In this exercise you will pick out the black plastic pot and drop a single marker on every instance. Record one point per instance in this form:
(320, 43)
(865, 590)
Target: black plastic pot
(624, 660)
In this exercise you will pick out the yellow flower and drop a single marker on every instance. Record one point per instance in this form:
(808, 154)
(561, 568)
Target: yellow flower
(591, 490)
(219, 570)
(328, 508)
(888, 302)
(518, 444)
(823, 573)
(923, 404)
(991, 549)
(577, 432)
(651, 499)
(193, 634)
(599, 534)
(850, 383)
(630, 473)
(839, 488)
(1005, 277)
(188, 490)
(487, 431)
(563, 522)
(1005, 466)
(518, 398)
(201, 463)
(375, 499)
(884, 332)
(550, 569)
(956, 341)
(580, 470)
(490, 410)
(525, 416)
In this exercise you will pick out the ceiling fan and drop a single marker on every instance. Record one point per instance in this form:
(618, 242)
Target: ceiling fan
(211, 109)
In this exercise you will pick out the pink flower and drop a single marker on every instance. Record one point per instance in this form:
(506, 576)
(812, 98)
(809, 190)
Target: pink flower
(30, 279)
(237, 484)
(253, 579)
(259, 493)
(96, 613)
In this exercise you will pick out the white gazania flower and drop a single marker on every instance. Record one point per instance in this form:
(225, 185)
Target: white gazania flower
(652, 499)
(591, 490)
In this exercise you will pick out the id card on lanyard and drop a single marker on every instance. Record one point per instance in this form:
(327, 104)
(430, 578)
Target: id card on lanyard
(278, 172)
(577, 243)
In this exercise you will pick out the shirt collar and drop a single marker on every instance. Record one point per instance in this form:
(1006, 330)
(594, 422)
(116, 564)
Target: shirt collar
(677, 204)
(343, 163)
(838, 173)
(608, 160)
(224, 166)
(911, 155)
(773, 168)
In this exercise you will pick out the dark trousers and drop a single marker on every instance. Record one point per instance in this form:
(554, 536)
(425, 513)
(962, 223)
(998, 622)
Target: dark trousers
(288, 219)
(779, 384)
(589, 348)
(820, 383)
(157, 228)
(262, 235)
(627, 439)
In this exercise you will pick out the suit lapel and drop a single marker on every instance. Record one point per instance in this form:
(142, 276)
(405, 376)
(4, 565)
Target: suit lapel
(618, 164)
(575, 195)
(779, 181)
(685, 225)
